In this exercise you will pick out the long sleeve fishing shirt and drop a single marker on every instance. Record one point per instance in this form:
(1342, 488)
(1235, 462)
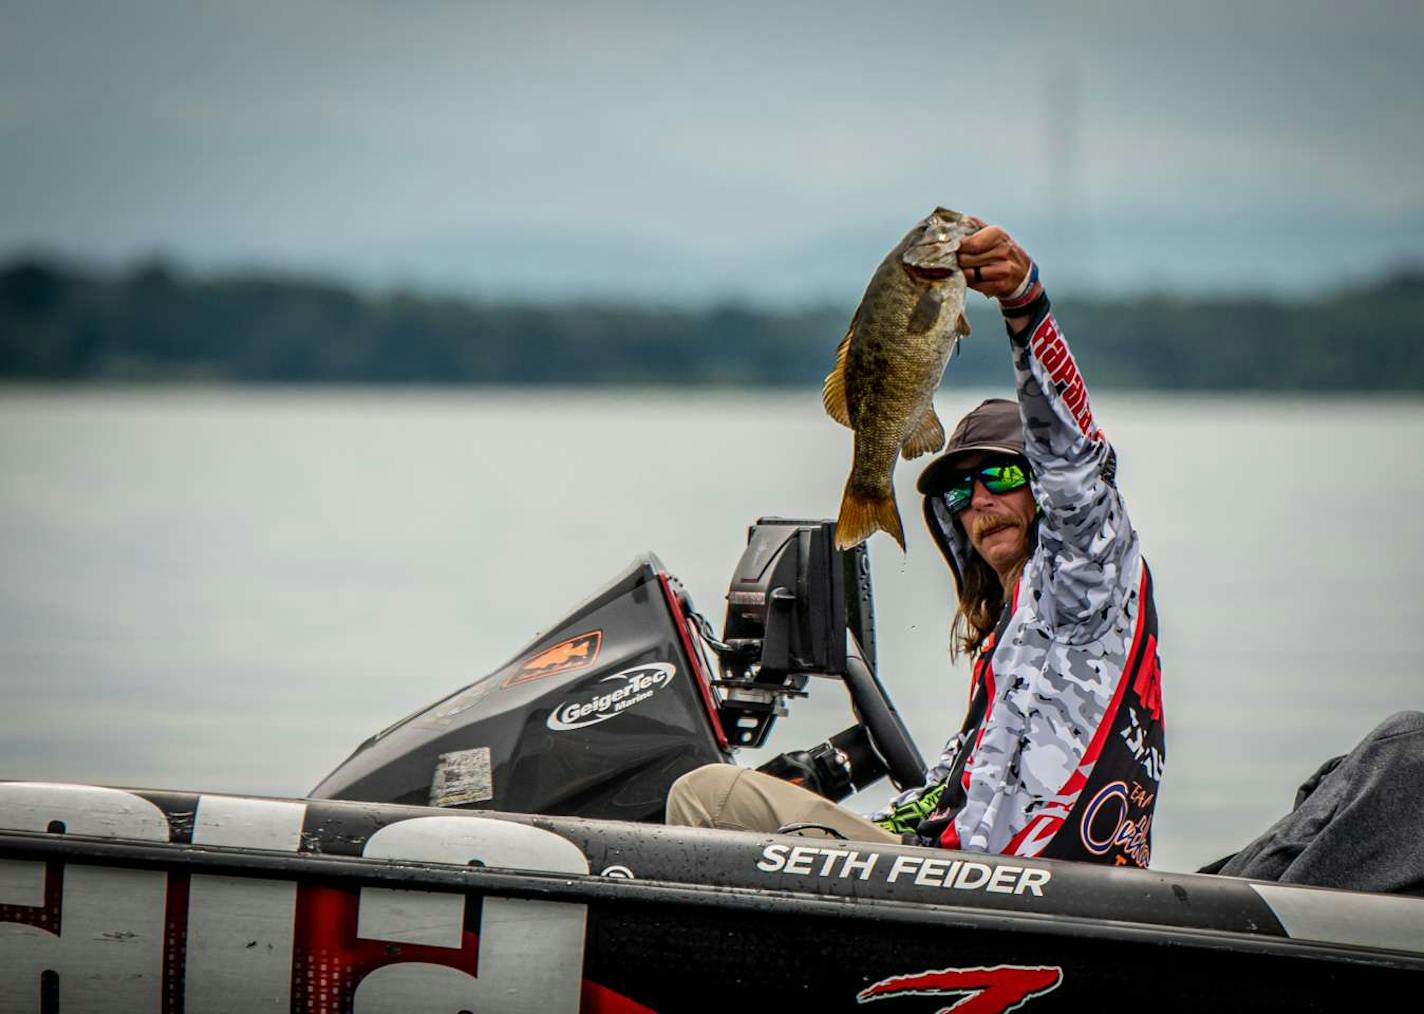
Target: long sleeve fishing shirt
(1061, 753)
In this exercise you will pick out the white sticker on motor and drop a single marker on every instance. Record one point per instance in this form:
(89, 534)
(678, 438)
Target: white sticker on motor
(611, 696)
(463, 776)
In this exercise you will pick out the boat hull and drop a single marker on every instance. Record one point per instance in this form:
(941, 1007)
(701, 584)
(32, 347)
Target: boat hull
(114, 900)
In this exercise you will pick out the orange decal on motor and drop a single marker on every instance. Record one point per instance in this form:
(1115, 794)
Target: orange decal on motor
(566, 656)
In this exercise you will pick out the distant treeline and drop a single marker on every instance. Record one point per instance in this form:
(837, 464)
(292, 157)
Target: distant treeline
(58, 322)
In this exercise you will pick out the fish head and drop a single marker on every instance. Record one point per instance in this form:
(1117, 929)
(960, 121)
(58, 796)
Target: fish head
(929, 250)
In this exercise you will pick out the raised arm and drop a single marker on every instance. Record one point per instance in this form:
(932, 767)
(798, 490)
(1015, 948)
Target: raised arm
(1087, 553)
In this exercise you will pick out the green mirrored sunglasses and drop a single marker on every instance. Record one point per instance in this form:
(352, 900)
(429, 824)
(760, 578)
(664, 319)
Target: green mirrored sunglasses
(1003, 478)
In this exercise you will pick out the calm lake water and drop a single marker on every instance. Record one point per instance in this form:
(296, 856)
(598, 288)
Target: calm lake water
(229, 589)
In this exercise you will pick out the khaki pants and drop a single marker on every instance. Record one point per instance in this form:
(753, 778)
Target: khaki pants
(740, 799)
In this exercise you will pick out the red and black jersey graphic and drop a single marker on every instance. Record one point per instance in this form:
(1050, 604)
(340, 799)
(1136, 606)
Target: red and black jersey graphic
(1117, 783)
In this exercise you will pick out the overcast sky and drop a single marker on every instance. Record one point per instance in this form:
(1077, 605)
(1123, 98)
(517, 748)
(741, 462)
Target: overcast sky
(712, 150)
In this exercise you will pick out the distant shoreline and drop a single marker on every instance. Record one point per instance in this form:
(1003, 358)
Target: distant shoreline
(154, 323)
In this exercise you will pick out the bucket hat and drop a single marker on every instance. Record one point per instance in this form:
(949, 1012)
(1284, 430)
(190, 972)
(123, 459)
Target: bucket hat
(994, 426)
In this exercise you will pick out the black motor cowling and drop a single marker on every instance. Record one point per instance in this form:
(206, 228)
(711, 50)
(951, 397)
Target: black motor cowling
(595, 718)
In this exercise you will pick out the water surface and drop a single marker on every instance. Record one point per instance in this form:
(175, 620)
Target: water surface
(229, 589)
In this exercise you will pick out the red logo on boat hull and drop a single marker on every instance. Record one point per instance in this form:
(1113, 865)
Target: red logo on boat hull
(983, 990)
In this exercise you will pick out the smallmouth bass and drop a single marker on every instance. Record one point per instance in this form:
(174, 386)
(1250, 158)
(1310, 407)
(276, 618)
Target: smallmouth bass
(889, 365)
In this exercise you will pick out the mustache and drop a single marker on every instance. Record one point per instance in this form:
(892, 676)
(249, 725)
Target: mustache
(986, 523)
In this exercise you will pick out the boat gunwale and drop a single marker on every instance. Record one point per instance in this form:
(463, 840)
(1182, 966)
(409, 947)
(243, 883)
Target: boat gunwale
(49, 847)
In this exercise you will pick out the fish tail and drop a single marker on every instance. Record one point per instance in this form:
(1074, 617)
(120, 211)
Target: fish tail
(865, 513)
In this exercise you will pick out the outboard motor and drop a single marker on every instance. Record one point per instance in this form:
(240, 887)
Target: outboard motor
(598, 717)
(595, 718)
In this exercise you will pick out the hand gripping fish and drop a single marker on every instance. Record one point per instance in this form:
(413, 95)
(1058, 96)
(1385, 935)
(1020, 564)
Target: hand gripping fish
(889, 364)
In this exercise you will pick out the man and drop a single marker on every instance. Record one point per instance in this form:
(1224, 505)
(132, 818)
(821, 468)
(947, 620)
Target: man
(1061, 752)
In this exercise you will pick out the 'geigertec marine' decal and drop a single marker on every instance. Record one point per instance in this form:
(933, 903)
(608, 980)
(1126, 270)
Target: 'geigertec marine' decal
(994, 990)
(610, 696)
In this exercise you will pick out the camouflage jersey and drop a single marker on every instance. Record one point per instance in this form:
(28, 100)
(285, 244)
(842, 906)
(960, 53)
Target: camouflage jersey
(1061, 753)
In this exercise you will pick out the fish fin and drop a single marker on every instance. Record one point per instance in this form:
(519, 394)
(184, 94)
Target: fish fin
(862, 516)
(928, 436)
(961, 326)
(926, 312)
(833, 394)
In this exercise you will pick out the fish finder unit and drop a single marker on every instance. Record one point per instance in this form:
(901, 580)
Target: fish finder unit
(786, 600)
(797, 607)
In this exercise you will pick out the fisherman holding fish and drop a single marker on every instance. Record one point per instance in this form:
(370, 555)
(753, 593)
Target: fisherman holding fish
(1061, 752)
